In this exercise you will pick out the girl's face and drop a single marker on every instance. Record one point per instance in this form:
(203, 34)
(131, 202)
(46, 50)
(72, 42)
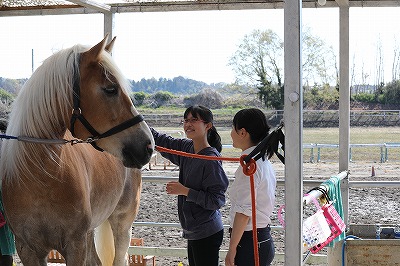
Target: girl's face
(236, 137)
(195, 127)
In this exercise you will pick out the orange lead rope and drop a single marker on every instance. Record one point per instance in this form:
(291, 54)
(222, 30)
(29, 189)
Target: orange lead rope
(248, 169)
(195, 155)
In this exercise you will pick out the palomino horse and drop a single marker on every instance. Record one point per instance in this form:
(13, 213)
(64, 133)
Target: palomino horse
(55, 195)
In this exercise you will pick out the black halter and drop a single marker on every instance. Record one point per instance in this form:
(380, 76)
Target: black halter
(77, 114)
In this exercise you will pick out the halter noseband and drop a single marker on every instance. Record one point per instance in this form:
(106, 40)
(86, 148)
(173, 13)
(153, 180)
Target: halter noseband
(77, 114)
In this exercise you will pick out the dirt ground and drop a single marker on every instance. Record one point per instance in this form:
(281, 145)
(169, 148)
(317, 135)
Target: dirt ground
(367, 205)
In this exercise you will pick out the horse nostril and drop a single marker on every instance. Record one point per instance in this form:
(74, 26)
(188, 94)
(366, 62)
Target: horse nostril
(149, 149)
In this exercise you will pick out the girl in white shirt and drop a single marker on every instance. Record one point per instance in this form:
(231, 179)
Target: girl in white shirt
(249, 128)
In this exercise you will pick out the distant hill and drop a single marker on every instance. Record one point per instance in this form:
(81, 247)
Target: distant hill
(178, 85)
(12, 85)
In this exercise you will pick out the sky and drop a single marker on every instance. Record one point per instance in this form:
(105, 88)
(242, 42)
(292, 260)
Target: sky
(192, 44)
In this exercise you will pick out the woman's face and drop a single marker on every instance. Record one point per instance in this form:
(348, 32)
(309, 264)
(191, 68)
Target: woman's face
(235, 137)
(194, 127)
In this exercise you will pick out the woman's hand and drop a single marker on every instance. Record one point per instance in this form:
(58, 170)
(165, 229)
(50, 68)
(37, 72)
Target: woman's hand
(230, 258)
(176, 188)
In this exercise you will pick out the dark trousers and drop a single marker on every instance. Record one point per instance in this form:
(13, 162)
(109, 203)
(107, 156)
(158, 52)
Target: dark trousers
(205, 252)
(245, 250)
(6, 260)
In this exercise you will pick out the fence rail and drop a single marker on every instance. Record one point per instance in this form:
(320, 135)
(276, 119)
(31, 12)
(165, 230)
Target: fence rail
(384, 150)
(311, 118)
(315, 154)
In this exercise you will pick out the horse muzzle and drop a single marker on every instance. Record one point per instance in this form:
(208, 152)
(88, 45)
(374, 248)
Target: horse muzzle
(136, 156)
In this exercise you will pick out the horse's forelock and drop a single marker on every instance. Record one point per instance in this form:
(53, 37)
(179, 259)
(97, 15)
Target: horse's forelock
(109, 66)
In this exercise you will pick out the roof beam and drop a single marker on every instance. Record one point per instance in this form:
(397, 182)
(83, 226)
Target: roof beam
(343, 3)
(90, 7)
(93, 5)
(44, 11)
(195, 6)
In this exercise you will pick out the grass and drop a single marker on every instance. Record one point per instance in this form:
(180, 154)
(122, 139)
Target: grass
(358, 135)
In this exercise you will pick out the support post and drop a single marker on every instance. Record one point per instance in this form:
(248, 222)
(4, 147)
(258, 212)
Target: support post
(293, 118)
(109, 21)
(334, 254)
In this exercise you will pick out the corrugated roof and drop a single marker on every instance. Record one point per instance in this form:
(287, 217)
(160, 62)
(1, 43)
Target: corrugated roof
(33, 3)
(38, 7)
(23, 3)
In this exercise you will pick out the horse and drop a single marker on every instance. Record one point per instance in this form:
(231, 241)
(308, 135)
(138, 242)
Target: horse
(59, 192)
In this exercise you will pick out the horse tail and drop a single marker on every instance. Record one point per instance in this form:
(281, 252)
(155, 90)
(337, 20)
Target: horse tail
(104, 240)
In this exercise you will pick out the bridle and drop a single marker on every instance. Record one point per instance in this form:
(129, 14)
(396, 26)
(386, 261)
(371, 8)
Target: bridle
(77, 115)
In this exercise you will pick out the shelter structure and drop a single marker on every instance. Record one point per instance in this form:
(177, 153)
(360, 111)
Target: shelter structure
(293, 112)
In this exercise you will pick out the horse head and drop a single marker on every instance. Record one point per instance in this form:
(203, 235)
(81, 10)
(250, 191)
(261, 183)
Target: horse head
(103, 110)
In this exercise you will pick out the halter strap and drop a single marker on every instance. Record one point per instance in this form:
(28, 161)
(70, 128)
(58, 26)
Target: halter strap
(77, 115)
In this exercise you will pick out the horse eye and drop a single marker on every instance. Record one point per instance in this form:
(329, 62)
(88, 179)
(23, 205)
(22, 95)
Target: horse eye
(111, 90)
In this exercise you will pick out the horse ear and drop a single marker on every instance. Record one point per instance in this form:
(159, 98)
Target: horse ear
(95, 51)
(110, 45)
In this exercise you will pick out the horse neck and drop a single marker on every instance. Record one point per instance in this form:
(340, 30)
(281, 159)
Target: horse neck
(33, 159)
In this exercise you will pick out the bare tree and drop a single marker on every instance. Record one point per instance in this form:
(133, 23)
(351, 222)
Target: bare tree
(353, 75)
(319, 60)
(396, 62)
(364, 76)
(380, 77)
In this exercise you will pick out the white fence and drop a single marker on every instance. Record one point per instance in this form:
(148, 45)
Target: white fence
(387, 151)
(315, 150)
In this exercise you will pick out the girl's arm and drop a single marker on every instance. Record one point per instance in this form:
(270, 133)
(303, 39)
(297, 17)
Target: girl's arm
(211, 195)
(239, 224)
(169, 142)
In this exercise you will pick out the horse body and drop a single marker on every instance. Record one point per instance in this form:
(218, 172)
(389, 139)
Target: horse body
(55, 195)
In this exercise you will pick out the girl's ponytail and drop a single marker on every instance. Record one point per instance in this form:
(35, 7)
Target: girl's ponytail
(214, 139)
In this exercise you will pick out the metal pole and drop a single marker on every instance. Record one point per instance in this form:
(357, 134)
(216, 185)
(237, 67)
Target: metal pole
(293, 118)
(109, 19)
(33, 64)
(334, 253)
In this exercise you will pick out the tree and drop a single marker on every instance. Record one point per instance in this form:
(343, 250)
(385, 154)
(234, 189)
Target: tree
(161, 97)
(379, 78)
(319, 60)
(207, 97)
(258, 62)
(6, 97)
(178, 85)
(139, 97)
(390, 94)
(396, 62)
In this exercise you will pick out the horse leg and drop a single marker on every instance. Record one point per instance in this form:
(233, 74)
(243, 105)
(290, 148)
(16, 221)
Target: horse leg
(92, 257)
(125, 213)
(76, 251)
(122, 236)
(28, 256)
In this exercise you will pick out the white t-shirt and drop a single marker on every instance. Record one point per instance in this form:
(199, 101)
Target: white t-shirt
(265, 186)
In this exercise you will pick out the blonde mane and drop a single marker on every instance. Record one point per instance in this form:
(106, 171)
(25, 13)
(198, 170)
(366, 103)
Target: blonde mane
(42, 107)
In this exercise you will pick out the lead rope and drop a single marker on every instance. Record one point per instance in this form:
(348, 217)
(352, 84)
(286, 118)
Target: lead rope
(249, 168)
